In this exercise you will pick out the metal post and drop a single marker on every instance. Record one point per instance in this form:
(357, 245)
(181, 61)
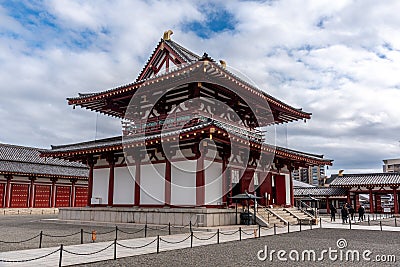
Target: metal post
(158, 244)
(169, 228)
(311, 224)
(60, 260)
(288, 230)
(217, 236)
(395, 222)
(145, 230)
(274, 229)
(320, 222)
(81, 236)
(191, 239)
(40, 239)
(380, 224)
(115, 249)
(190, 226)
(368, 221)
(300, 225)
(240, 233)
(350, 224)
(116, 232)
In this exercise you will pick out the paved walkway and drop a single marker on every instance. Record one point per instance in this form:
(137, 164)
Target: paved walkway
(93, 252)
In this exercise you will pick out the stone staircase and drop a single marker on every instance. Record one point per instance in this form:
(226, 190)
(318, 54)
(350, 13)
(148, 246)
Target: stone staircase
(283, 216)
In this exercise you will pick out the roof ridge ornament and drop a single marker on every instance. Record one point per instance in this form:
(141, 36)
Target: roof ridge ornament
(223, 63)
(167, 35)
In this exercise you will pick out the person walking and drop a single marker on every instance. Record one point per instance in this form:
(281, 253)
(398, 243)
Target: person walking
(361, 212)
(333, 212)
(345, 213)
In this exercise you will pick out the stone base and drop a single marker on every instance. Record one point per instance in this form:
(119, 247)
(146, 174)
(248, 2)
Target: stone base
(206, 217)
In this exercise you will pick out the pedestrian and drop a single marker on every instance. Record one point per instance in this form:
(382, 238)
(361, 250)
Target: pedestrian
(361, 212)
(345, 213)
(333, 212)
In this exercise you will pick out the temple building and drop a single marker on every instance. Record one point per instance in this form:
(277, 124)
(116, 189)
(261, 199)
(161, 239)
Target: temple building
(193, 136)
(30, 181)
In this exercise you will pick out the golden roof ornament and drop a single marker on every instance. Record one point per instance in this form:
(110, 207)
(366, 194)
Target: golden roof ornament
(167, 35)
(223, 63)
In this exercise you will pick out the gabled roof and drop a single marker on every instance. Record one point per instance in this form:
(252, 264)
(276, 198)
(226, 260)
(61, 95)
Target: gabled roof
(19, 160)
(319, 192)
(366, 179)
(299, 184)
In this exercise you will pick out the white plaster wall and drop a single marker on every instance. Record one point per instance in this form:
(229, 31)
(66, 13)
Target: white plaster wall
(183, 183)
(124, 186)
(100, 184)
(287, 188)
(213, 177)
(152, 184)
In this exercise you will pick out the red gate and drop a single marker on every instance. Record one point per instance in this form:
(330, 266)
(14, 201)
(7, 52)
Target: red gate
(42, 196)
(81, 196)
(2, 191)
(62, 196)
(19, 195)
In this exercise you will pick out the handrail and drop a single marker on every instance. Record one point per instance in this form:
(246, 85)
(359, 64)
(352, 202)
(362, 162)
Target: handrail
(302, 205)
(277, 216)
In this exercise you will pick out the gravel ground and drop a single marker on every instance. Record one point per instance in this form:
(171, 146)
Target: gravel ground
(22, 227)
(244, 253)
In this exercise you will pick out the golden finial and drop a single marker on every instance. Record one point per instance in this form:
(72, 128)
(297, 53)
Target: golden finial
(223, 63)
(167, 35)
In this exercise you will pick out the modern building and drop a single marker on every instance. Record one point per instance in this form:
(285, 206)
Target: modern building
(191, 138)
(391, 165)
(314, 175)
(30, 181)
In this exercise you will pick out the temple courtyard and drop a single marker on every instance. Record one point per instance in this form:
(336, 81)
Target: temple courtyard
(175, 249)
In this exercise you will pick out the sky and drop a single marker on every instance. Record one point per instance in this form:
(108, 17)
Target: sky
(339, 60)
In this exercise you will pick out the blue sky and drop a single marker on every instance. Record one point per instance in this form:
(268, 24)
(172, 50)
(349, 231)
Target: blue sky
(337, 59)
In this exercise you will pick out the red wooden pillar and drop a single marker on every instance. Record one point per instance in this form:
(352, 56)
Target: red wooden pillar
(73, 192)
(53, 192)
(167, 182)
(137, 181)
(200, 179)
(8, 191)
(328, 209)
(280, 187)
(91, 163)
(371, 201)
(31, 199)
(111, 163)
(348, 196)
(395, 200)
(378, 205)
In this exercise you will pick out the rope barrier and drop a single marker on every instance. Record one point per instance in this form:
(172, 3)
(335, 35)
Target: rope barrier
(90, 253)
(33, 259)
(142, 246)
(131, 233)
(252, 233)
(161, 228)
(105, 233)
(231, 233)
(58, 236)
(22, 241)
(204, 239)
(175, 242)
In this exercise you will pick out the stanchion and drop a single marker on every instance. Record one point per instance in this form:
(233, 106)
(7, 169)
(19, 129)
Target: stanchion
(61, 252)
(217, 236)
(40, 239)
(368, 221)
(116, 232)
(288, 230)
(145, 230)
(320, 222)
(240, 233)
(158, 244)
(274, 229)
(380, 224)
(169, 228)
(310, 224)
(81, 236)
(395, 222)
(259, 231)
(300, 225)
(350, 223)
(190, 226)
(191, 239)
(115, 249)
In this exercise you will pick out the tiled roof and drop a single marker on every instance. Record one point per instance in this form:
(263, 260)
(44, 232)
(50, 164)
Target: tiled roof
(184, 53)
(298, 184)
(27, 161)
(319, 192)
(366, 179)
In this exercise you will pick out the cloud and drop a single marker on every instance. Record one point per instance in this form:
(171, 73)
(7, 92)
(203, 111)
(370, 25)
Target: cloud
(336, 59)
